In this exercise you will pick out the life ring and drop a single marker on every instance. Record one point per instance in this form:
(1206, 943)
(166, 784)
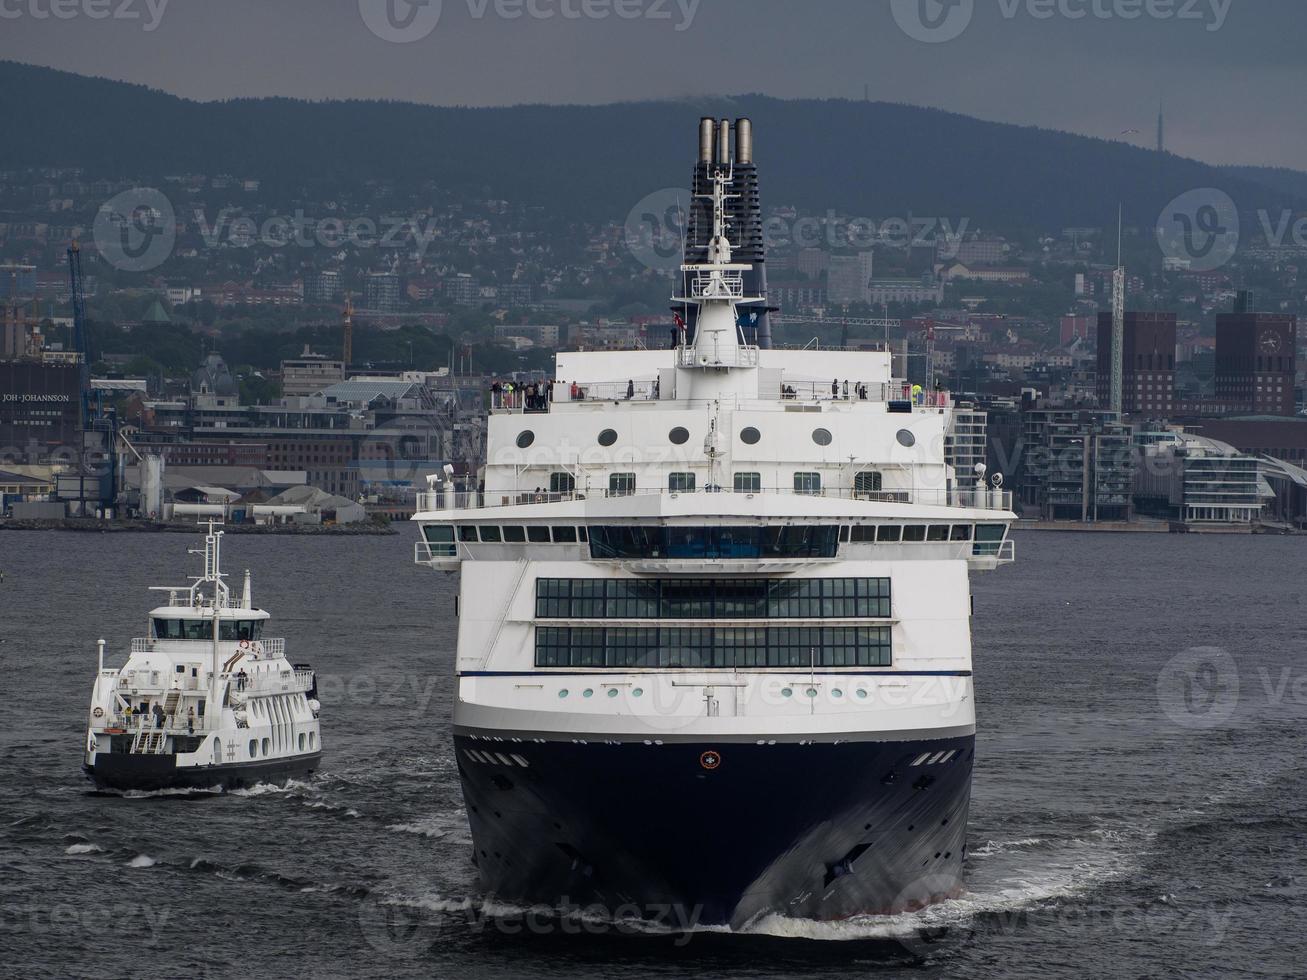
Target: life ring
(98, 712)
(245, 644)
(710, 760)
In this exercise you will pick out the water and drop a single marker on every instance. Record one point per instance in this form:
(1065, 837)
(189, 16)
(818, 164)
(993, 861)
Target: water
(1129, 817)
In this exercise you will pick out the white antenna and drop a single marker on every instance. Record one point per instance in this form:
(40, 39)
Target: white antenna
(1118, 318)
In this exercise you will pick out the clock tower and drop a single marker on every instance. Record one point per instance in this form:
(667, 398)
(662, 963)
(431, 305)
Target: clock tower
(1256, 362)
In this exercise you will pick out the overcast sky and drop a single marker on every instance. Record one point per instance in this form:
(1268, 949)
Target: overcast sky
(1231, 73)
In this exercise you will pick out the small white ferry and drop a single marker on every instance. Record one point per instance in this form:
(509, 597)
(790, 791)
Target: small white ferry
(206, 700)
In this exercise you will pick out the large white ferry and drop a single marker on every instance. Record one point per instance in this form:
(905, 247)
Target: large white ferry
(714, 648)
(206, 700)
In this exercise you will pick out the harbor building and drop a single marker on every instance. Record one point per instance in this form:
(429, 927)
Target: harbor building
(1077, 465)
(1147, 363)
(1256, 362)
(1200, 483)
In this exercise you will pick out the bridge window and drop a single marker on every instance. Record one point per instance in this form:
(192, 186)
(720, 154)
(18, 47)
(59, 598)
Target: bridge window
(889, 532)
(514, 534)
(937, 532)
(703, 598)
(537, 535)
(807, 483)
(720, 542)
(621, 484)
(748, 483)
(989, 539)
(868, 481)
(914, 532)
(680, 482)
(679, 648)
(440, 537)
(467, 532)
(564, 535)
(561, 483)
(490, 534)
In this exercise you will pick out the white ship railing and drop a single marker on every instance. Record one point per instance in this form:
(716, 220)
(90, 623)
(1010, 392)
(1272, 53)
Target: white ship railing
(272, 647)
(788, 391)
(987, 499)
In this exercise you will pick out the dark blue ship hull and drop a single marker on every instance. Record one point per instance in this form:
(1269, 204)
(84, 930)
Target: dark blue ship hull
(146, 772)
(718, 833)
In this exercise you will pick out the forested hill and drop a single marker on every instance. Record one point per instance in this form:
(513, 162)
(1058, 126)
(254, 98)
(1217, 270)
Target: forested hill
(870, 159)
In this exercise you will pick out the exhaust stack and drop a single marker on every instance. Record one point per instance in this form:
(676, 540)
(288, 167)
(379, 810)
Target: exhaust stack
(724, 143)
(707, 133)
(743, 142)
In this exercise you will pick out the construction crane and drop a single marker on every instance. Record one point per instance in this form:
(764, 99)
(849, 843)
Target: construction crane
(844, 321)
(347, 325)
(81, 333)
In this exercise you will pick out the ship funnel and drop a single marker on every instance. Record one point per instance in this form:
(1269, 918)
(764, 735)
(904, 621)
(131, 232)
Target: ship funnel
(743, 141)
(707, 133)
(724, 143)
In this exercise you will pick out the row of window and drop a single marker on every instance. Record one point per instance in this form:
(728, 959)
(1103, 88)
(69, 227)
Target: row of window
(633, 542)
(623, 484)
(690, 648)
(706, 598)
(722, 541)
(202, 629)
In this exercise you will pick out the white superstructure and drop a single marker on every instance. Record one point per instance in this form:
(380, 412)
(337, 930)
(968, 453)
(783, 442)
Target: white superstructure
(715, 547)
(206, 699)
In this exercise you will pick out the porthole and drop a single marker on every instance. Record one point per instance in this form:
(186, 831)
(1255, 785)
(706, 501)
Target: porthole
(562, 693)
(612, 692)
(637, 692)
(862, 693)
(525, 438)
(750, 436)
(607, 437)
(811, 692)
(265, 746)
(679, 436)
(906, 438)
(302, 741)
(837, 693)
(786, 692)
(821, 437)
(254, 748)
(589, 692)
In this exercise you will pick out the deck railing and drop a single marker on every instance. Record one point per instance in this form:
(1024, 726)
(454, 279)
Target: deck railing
(271, 647)
(989, 499)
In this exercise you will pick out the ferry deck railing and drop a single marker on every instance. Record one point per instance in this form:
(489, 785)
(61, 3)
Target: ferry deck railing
(987, 498)
(271, 647)
(811, 392)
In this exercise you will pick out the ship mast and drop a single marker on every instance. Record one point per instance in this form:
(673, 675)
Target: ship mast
(219, 597)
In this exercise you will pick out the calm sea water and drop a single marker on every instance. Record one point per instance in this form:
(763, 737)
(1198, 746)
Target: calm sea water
(1140, 802)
